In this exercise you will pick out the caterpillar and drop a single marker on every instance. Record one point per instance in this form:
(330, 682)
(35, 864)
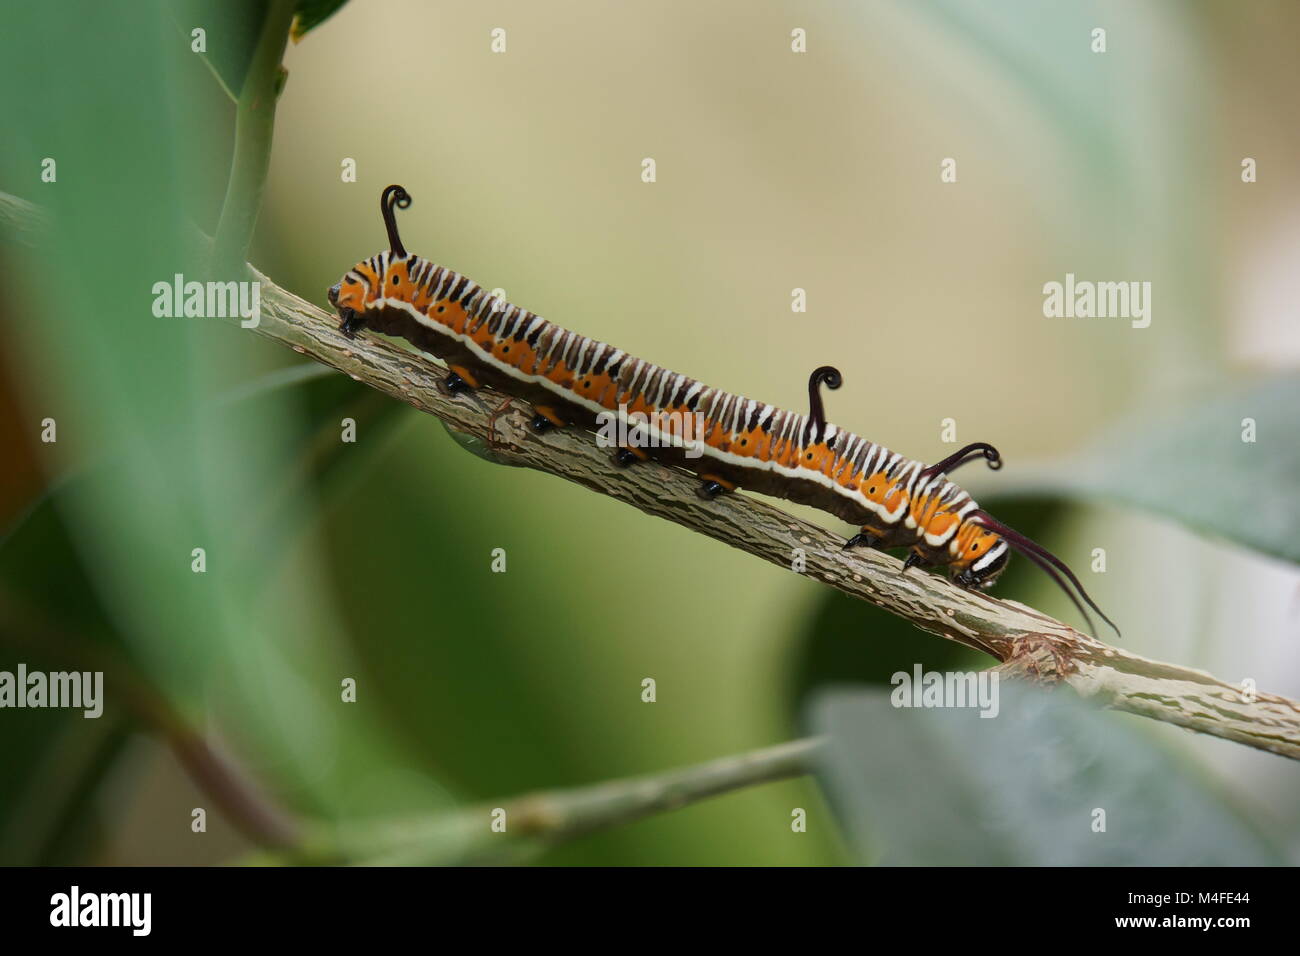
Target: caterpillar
(728, 440)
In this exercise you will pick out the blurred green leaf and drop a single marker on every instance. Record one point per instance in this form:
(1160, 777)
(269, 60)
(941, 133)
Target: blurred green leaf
(948, 787)
(231, 30)
(56, 760)
(1193, 465)
(54, 763)
(39, 559)
(53, 759)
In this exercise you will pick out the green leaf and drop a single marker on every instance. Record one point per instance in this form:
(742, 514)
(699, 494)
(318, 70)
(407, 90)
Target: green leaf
(1193, 465)
(231, 29)
(945, 786)
(311, 14)
(42, 568)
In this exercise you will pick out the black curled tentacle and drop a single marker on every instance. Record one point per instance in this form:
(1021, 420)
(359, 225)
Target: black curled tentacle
(399, 197)
(959, 458)
(830, 377)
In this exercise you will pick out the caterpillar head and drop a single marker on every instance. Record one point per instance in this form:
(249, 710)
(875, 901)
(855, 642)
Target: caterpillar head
(350, 291)
(350, 294)
(982, 561)
(366, 282)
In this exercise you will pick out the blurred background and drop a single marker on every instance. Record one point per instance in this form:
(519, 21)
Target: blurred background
(776, 170)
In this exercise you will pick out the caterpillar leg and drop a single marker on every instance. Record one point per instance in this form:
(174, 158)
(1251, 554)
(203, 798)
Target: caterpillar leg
(546, 419)
(863, 539)
(966, 580)
(712, 486)
(351, 322)
(627, 456)
(914, 560)
(460, 380)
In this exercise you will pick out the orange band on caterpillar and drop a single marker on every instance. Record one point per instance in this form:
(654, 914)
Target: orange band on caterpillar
(898, 502)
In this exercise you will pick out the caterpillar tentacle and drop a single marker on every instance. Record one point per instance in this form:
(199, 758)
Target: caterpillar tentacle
(830, 377)
(959, 458)
(1047, 561)
(728, 440)
(390, 197)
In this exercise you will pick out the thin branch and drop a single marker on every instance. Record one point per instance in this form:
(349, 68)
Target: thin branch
(565, 814)
(529, 824)
(1029, 644)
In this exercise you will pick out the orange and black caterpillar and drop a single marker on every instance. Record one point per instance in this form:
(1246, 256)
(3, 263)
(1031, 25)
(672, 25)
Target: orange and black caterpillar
(571, 379)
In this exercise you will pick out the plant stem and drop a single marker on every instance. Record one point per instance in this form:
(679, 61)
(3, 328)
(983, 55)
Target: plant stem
(532, 823)
(254, 130)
